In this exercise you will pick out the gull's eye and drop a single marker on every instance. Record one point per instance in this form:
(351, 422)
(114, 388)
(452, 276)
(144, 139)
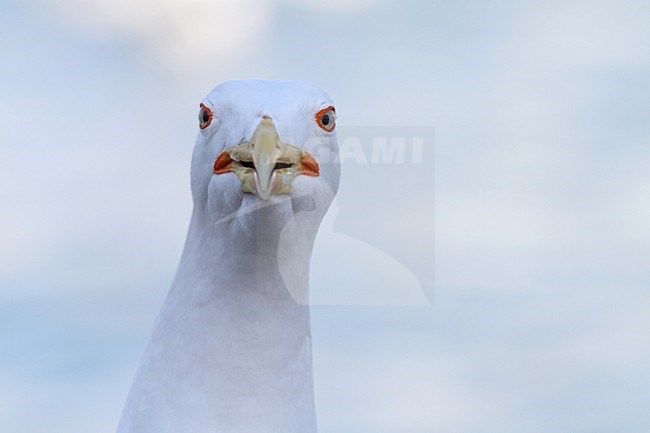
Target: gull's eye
(326, 118)
(205, 117)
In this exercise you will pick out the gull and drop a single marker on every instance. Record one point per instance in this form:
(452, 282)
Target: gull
(230, 351)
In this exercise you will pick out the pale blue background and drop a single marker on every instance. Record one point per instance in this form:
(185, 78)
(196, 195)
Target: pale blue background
(540, 320)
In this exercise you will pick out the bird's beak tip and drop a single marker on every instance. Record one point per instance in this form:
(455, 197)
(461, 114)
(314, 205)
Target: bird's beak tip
(265, 153)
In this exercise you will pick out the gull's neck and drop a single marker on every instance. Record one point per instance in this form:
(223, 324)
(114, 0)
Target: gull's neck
(231, 348)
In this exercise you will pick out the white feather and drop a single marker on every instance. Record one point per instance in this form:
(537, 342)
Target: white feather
(231, 348)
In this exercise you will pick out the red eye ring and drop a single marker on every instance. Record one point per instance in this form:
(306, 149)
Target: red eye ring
(205, 116)
(326, 118)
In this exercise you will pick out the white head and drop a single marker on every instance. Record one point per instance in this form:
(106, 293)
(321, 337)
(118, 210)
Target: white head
(265, 149)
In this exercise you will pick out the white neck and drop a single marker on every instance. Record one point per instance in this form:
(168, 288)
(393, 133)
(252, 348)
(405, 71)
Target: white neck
(231, 348)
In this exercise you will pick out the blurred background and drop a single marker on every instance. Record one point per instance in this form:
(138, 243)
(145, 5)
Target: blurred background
(538, 184)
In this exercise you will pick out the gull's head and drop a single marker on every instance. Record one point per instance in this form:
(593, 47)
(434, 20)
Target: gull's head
(262, 144)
